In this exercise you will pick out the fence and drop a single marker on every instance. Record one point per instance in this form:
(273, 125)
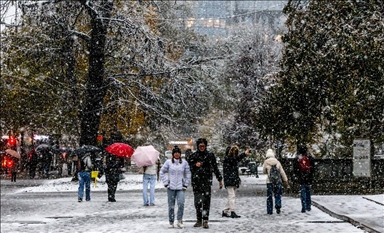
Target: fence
(335, 176)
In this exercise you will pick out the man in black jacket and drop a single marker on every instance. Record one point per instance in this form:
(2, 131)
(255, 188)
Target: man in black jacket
(202, 164)
(304, 167)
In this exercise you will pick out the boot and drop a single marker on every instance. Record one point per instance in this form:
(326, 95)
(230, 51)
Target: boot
(170, 225)
(223, 214)
(205, 224)
(234, 215)
(198, 223)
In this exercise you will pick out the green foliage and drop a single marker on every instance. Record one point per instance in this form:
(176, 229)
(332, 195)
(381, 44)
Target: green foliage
(332, 78)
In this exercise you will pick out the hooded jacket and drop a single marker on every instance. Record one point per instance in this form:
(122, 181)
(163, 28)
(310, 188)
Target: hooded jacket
(269, 162)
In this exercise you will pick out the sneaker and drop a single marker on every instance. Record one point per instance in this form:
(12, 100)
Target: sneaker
(197, 224)
(234, 215)
(80, 200)
(205, 224)
(180, 224)
(170, 225)
(152, 204)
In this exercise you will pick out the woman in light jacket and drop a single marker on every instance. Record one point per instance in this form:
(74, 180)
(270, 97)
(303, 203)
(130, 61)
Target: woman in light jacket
(277, 190)
(177, 181)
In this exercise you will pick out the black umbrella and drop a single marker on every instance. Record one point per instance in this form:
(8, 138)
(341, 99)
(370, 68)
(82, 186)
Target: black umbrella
(42, 147)
(86, 149)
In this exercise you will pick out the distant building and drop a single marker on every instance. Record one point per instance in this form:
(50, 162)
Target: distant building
(216, 18)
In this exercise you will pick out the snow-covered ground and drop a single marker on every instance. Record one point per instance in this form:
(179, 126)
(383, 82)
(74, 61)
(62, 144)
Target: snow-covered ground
(53, 207)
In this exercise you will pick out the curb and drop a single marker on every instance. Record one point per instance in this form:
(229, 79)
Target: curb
(345, 218)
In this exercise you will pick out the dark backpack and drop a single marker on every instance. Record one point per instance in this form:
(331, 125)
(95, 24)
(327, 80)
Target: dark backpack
(274, 175)
(304, 164)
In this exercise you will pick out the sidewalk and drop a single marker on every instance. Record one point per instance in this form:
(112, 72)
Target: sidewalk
(51, 205)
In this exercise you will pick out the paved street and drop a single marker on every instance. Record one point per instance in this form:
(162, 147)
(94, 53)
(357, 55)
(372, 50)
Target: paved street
(60, 212)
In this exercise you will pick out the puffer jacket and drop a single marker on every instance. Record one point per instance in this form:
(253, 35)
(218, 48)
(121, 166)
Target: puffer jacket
(179, 174)
(267, 168)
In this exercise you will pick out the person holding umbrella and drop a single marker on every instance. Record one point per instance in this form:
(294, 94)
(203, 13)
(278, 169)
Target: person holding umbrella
(84, 166)
(177, 181)
(113, 169)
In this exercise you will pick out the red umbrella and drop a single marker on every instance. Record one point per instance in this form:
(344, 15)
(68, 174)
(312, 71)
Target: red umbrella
(120, 149)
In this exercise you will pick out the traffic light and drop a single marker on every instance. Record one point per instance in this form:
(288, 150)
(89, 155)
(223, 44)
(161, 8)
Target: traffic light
(12, 141)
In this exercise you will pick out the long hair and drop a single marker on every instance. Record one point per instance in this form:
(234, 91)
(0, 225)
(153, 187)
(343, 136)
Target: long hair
(180, 159)
(234, 151)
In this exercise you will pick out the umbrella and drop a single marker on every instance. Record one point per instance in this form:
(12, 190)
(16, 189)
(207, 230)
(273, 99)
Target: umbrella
(85, 149)
(120, 149)
(42, 147)
(13, 153)
(145, 156)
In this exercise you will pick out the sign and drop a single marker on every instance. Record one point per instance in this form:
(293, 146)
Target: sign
(361, 158)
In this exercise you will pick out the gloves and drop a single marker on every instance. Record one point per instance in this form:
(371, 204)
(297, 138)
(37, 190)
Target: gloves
(166, 186)
(184, 188)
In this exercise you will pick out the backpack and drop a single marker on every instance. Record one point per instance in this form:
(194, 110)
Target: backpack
(81, 164)
(304, 164)
(274, 175)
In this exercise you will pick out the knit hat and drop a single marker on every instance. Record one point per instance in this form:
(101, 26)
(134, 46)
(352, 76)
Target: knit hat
(201, 140)
(270, 154)
(176, 149)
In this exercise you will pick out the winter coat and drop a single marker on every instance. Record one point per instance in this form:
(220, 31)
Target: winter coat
(113, 168)
(179, 174)
(151, 170)
(15, 164)
(304, 177)
(202, 176)
(231, 170)
(267, 168)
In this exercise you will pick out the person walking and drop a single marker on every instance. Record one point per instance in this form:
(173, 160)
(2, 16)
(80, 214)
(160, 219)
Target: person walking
(232, 179)
(114, 167)
(303, 168)
(84, 166)
(276, 189)
(177, 181)
(14, 168)
(202, 163)
(149, 179)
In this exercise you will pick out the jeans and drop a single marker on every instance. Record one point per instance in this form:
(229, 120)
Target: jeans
(151, 180)
(305, 193)
(277, 191)
(84, 178)
(179, 196)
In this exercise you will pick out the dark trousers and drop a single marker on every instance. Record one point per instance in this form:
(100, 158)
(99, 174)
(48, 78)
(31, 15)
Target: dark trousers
(13, 177)
(112, 186)
(202, 199)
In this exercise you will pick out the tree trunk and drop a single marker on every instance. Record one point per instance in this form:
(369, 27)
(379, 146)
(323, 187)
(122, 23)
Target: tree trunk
(96, 88)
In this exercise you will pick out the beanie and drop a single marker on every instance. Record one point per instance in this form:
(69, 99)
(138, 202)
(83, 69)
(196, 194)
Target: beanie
(270, 154)
(176, 149)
